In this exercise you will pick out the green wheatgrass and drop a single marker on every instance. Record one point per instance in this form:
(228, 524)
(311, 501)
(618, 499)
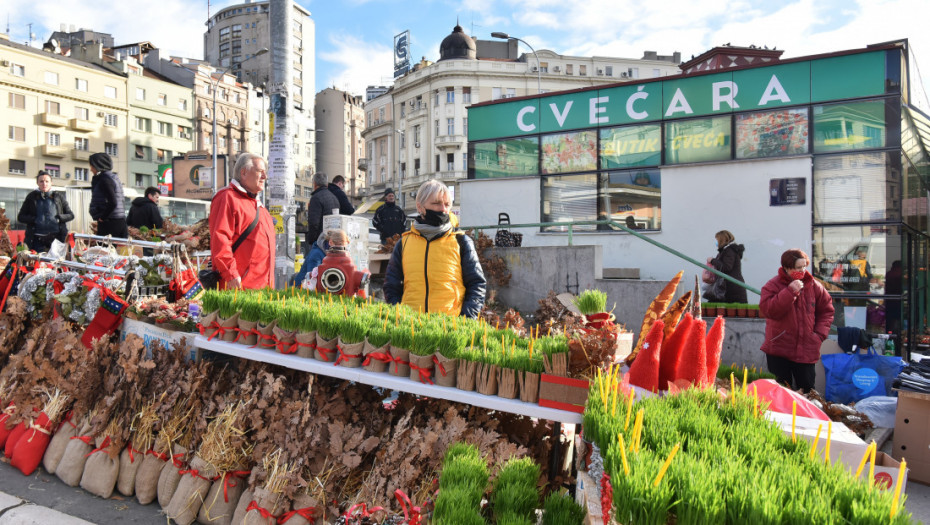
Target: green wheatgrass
(452, 343)
(425, 340)
(514, 490)
(353, 329)
(561, 509)
(591, 302)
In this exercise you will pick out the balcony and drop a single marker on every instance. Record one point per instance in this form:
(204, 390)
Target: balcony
(53, 119)
(416, 112)
(54, 151)
(363, 164)
(80, 154)
(81, 125)
(451, 141)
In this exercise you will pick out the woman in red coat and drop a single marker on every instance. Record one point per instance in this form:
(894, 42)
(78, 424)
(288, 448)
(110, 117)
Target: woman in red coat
(798, 312)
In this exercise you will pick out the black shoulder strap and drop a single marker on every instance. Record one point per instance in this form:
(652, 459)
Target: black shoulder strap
(247, 231)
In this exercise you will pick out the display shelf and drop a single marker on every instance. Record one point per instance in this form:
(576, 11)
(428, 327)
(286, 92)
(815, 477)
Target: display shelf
(360, 375)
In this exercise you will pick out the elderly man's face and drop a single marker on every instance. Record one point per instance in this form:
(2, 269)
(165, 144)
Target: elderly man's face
(389, 197)
(254, 175)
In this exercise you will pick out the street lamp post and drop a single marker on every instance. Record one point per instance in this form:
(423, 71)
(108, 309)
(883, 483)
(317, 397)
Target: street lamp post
(500, 34)
(400, 176)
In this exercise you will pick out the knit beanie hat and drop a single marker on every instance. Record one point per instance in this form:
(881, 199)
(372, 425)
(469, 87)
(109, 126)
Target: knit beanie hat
(101, 162)
(388, 192)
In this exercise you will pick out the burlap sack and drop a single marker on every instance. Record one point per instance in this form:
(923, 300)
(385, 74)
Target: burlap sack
(100, 471)
(246, 335)
(349, 355)
(266, 335)
(130, 460)
(376, 359)
(228, 327)
(421, 368)
(325, 349)
(507, 383)
(220, 504)
(71, 467)
(466, 373)
(284, 340)
(244, 500)
(206, 323)
(147, 477)
(169, 477)
(192, 491)
(58, 444)
(304, 506)
(486, 379)
(273, 503)
(529, 387)
(306, 341)
(400, 365)
(446, 370)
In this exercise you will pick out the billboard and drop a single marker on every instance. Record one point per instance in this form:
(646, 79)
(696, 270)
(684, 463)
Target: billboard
(193, 178)
(401, 53)
(165, 180)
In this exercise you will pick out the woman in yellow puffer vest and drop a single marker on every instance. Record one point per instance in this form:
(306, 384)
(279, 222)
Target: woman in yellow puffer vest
(434, 267)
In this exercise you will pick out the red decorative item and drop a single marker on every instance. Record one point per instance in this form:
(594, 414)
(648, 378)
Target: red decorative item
(184, 283)
(108, 316)
(671, 351)
(607, 497)
(644, 372)
(339, 276)
(692, 366)
(31, 446)
(413, 516)
(4, 430)
(714, 346)
(15, 434)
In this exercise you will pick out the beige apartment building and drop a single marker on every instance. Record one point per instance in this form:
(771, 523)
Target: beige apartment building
(57, 111)
(341, 117)
(423, 120)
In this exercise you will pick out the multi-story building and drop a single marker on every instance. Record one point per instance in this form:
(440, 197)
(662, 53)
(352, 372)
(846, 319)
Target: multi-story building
(430, 103)
(382, 140)
(233, 127)
(341, 147)
(57, 111)
(375, 92)
(235, 40)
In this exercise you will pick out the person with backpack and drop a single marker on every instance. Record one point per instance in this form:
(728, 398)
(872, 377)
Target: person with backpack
(45, 214)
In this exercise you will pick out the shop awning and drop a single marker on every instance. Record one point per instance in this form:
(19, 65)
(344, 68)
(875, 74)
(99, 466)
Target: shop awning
(370, 205)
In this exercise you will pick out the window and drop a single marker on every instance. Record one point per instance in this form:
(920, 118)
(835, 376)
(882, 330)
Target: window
(857, 187)
(505, 158)
(436, 99)
(222, 143)
(450, 126)
(403, 140)
(631, 146)
(237, 31)
(466, 95)
(437, 163)
(237, 145)
(697, 140)
(54, 170)
(631, 193)
(81, 174)
(81, 113)
(633, 72)
(609, 71)
(18, 70)
(81, 143)
(182, 104)
(543, 67)
(419, 103)
(111, 149)
(856, 259)
(141, 180)
(80, 84)
(162, 156)
(53, 139)
(52, 108)
(109, 91)
(17, 101)
(450, 161)
(583, 70)
(141, 153)
(511, 92)
(771, 133)
(569, 152)
(142, 124)
(164, 128)
(380, 114)
(110, 120)
(849, 126)
(224, 33)
(403, 110)
(51, 78)
(569, 69)
(416, 136)
(224, 50)
(435, 128)
(450, 95)
(18, 134)
(465, 127)
(140, 94)
(416, 167)
(17, 166)
(308, 192)
(465, 161)
(569, 198)
(184, 132)
(162, 99)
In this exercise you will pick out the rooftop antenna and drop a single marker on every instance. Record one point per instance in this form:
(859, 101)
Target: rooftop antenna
(8, 23)
(32, 35)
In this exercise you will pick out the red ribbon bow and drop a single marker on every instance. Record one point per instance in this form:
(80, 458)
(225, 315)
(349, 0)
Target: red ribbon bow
(425, 373)
(286, 348)
(344, 356)
(264, 512)
(380, 356)
(85, 439)
(132, 458)
(326, 352)
(306, 513)
(413, 517)
(441, 368)
(195, 473)
(241, 474)
(175, 459)
(159, 455)
(364, 512)
(102, 447)
(219, 331)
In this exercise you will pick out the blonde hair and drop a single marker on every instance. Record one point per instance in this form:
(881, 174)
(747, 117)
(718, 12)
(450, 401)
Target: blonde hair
(337, 238)
(724, 237)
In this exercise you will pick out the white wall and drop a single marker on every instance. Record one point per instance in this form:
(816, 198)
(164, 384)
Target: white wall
(697, 202)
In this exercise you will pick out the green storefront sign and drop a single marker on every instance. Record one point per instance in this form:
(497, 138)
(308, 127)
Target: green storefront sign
(780, 85)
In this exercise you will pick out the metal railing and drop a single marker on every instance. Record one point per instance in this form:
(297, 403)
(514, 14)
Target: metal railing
(621, 227)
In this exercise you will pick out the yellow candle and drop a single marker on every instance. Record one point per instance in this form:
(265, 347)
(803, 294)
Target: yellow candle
(745, 375)
(732, 387)
(872, 465)
(498, 325)
(668, 461)
(794, 416)
(550, 330)
(629, 410)
(531, 347)
(472, 340)
(626, 466)
(454, 324)
(865, 457)
(897, 487)
(816, 440)
(638, 429)
(616, 397)
(755, 401)
(443, 324)
(507, 325)
(826, 450)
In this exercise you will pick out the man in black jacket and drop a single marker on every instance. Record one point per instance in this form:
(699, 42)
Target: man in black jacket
(337, 187)
(106, 198)
(390, 218)
(45, 214)
(144, 211)
(322, 203)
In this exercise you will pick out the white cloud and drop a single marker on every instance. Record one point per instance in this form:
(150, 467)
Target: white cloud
(359, 64)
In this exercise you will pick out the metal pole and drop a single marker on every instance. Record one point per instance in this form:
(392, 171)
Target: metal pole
(215, 178)
(538, 66)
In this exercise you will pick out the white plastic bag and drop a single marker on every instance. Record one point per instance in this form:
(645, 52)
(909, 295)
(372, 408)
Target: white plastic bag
(879, 409)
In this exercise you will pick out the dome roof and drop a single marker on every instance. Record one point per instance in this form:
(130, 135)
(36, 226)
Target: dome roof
(458, 45)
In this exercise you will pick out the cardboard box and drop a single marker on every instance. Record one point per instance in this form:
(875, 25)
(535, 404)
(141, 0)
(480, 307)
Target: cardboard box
(357, 230)
(563, 393)
(150, 332)
(912, 433)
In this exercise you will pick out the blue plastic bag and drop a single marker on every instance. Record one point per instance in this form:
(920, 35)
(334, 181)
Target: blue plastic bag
(855, 376)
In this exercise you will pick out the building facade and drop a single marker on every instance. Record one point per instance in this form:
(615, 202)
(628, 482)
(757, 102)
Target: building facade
(341, 147)
(827, 153)
(430, 103)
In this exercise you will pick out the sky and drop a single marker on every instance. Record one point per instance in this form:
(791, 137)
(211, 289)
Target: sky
(354, 38)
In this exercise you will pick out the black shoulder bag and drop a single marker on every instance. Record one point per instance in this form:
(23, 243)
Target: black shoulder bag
(210, 278)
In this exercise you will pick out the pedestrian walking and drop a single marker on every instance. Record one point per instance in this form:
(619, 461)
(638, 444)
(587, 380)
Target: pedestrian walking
(46, 215)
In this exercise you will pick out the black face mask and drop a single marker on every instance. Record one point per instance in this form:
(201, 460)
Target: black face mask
(435, 218)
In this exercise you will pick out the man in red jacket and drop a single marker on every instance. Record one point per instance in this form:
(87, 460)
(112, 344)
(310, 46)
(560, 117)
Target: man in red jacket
(798, 312)
(231, 213)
